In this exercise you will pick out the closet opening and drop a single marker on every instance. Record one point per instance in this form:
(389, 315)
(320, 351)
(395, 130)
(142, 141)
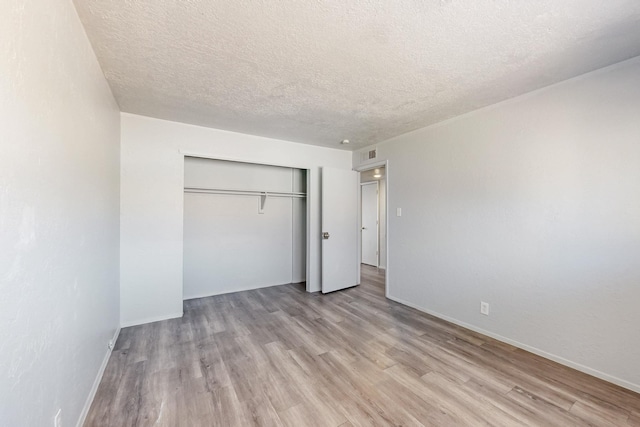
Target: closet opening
(245, 226)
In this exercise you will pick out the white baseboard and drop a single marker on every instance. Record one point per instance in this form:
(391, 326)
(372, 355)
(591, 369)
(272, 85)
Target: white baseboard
(96, 382)
(151, 319)
(561, 360)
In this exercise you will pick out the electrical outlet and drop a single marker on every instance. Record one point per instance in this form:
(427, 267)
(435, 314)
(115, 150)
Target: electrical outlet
(57, 421)
(110, 345)
(484, 308)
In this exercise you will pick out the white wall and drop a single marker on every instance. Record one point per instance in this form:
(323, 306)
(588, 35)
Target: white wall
(152, 158)
(532, 205)
(59, 138)
(228, 245)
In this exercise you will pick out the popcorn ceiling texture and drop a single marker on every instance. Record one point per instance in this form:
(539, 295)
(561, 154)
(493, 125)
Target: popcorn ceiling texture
(320, 71)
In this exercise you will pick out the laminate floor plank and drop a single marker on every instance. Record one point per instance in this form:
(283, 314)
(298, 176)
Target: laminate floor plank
(546, 412)
(280, 356)
(634, 419)
(482, 411)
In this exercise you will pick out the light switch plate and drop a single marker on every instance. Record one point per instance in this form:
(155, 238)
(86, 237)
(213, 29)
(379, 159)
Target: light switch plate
(398, 211)
(484, 308)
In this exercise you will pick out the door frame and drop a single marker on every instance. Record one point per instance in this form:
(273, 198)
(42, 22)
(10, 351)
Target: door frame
(363, 168)
(377, 184)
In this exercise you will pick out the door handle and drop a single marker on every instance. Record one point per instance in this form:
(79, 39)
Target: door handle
(325, 235)
(364, 228)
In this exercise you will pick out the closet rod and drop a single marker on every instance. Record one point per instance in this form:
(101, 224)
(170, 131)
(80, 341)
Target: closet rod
(244, 192)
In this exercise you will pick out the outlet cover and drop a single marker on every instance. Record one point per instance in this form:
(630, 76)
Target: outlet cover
(484, 308)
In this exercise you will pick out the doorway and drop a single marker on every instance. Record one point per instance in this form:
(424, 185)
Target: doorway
(369, 206)
(373, 223)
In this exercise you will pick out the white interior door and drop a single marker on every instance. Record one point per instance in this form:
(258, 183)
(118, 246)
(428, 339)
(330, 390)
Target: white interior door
(340, 229)
(369, 229)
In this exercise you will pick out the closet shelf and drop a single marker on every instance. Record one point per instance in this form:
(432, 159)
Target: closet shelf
(245, 192)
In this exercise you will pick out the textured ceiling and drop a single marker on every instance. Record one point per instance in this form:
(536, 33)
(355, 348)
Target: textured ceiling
(318, 71)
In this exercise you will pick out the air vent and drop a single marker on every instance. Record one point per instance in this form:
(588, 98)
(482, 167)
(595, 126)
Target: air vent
(369, 155)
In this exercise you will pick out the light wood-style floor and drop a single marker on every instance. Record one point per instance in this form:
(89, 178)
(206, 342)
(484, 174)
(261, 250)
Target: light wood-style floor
(279, 356)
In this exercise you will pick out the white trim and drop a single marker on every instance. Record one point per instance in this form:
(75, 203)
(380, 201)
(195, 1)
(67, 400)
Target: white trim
(152, 319)
(96, 382)
(558, 359)
(248, 288)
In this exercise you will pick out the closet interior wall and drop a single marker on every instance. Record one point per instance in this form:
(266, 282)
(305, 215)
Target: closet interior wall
(242, 237)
